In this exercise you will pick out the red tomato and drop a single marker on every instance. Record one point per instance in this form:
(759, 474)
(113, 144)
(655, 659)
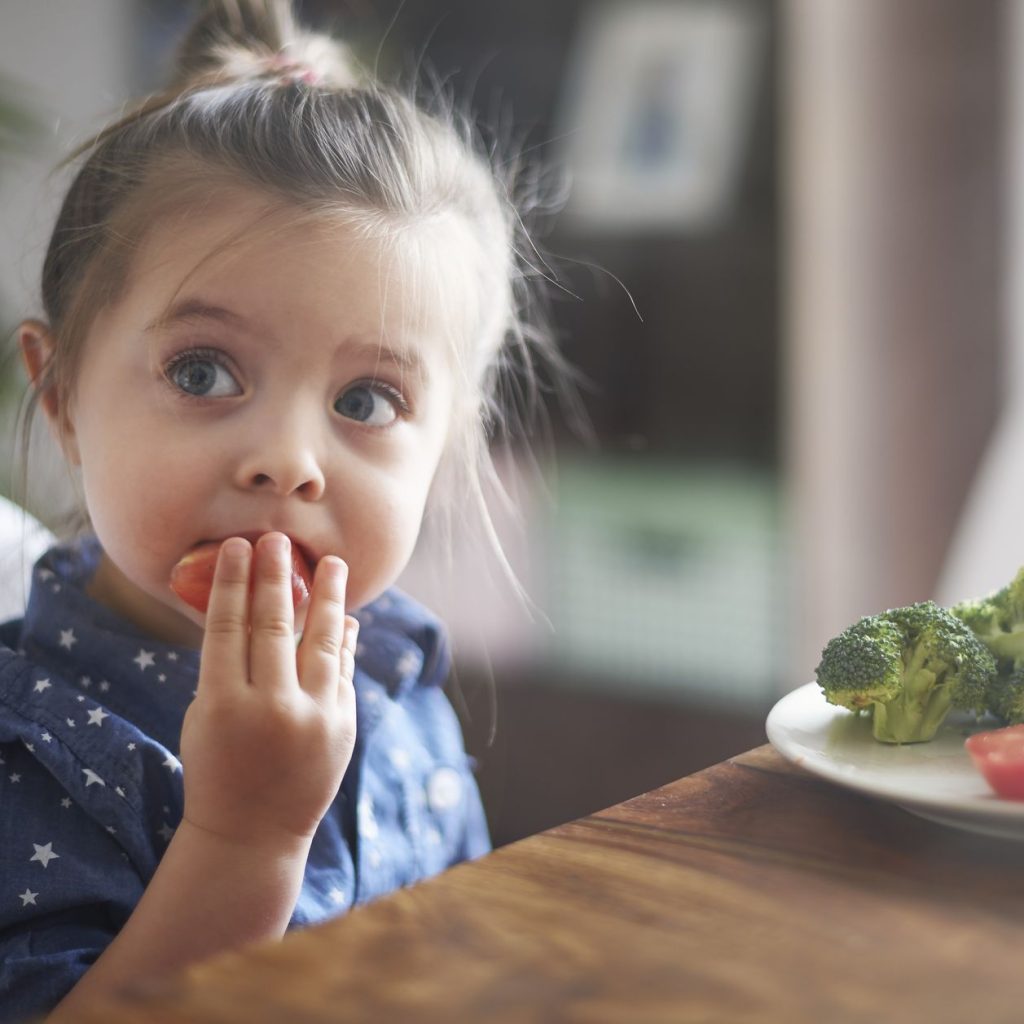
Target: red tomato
(192, 577)
(999, 756)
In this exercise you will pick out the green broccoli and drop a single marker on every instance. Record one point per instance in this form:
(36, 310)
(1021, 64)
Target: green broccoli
(908, 667)
(1006, 694)
(998, 621)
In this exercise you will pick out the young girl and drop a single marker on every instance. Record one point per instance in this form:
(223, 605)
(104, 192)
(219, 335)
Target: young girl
(277, 296)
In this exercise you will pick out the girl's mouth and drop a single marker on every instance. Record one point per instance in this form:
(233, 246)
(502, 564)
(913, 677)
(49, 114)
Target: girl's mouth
(192, 578)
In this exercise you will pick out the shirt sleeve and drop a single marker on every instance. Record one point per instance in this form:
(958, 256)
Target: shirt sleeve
(452, 795)
(448, 740)
(476, 839)
(66, 888)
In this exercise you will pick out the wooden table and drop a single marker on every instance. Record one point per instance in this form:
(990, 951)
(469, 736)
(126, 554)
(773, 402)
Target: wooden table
(749, 892)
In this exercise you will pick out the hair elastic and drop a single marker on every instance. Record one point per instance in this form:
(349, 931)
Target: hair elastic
(290, 70)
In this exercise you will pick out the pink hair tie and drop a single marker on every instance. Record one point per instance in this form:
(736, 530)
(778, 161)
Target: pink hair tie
(293, 70)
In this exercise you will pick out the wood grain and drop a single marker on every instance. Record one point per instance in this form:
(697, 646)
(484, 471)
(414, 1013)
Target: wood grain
(748, 892)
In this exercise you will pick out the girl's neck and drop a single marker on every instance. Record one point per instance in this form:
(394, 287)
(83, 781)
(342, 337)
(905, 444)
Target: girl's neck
(109, 587)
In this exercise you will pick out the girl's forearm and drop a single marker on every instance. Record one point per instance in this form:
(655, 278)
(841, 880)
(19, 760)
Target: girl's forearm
(208, 895)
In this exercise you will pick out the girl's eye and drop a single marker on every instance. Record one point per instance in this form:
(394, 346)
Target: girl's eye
(202, 375)
(376, 405)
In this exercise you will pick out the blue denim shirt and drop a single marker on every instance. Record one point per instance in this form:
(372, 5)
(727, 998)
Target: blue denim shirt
(91, 785)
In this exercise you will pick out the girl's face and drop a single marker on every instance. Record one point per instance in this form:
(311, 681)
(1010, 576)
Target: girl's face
(296, 380)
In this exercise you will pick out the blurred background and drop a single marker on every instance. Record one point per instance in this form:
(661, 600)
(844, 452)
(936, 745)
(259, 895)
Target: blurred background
(785, 266)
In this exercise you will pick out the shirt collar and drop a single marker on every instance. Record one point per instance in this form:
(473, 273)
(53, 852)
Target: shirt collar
(107, 657)
(401, 645)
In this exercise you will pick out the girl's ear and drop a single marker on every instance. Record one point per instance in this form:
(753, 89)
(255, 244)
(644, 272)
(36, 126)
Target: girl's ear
(37, 346)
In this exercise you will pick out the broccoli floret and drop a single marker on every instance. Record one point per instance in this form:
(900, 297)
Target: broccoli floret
(1006, 694)
(908, 667)
(998, 620)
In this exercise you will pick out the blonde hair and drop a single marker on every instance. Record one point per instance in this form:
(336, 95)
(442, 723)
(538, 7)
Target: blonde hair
(256, 99)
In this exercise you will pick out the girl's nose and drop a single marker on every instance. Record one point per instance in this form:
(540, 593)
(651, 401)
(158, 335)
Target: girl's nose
(283, 468)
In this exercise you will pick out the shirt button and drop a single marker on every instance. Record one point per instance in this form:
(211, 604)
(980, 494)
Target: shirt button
(444, 790)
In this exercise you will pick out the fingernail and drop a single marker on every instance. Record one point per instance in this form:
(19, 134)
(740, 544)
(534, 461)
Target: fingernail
(235, 548)
(278, 543)
(334, 567)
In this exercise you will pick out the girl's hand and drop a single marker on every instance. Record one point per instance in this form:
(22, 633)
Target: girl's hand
(267, 740)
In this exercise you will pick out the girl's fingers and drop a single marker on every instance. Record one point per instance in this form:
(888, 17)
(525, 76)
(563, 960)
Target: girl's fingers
(225, 655)
(272, 642)
(345, 690)
(320, 653)
(348, 651)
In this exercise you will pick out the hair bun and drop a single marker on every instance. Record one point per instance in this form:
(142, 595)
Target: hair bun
(248, 39)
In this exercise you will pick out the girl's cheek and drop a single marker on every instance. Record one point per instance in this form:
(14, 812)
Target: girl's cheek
(378, 553)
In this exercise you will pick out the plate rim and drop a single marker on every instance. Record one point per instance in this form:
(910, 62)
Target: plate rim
(975, 808)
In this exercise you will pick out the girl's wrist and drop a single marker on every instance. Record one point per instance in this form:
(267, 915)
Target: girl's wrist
(268, 846)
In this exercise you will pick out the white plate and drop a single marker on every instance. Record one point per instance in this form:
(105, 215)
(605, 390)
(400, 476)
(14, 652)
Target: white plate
(935, 780)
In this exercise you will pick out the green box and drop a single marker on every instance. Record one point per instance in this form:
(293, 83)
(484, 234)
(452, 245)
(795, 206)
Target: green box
(667, 576)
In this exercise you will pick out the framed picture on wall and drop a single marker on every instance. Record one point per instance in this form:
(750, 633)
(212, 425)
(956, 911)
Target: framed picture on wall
(656, 110)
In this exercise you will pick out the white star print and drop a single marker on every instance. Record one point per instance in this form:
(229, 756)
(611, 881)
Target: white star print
(173, 763)
(131, 746)
(104, 686)
(66, 802)
(143, 659)
(30, 747)
(15, 777)
(97, 715)
(43, 684)
(368, 826)
(80, 699)
(408, 663)
(46, 574)
(46, 738)
(27, 897)
(56, 588)
(336, 895)
(166, 833)
(172, 655)
(70, 721)
(85, 681)
(68, 638)
(91, 778)
(162, 677)
(43, 854)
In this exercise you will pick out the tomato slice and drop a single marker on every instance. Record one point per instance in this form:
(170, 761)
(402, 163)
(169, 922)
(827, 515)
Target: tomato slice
(192, 577)
(999, 755)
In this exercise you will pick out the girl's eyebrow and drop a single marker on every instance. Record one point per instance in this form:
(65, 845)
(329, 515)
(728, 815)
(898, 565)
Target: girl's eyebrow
(196, 311)
(191, 311)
